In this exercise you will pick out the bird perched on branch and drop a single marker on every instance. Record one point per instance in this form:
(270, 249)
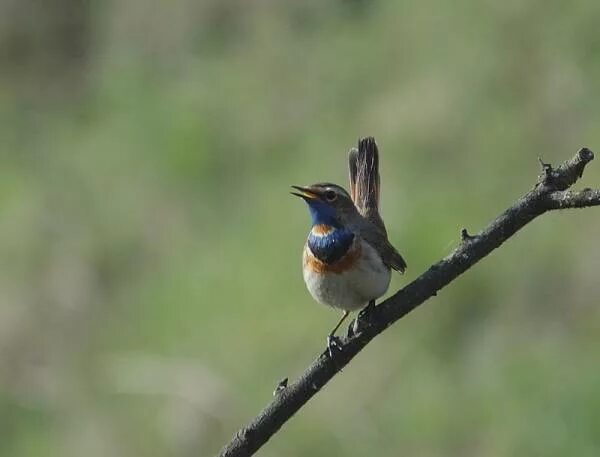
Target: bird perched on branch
(348, 259)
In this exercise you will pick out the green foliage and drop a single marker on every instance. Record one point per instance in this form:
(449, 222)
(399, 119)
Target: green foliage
(152, 295)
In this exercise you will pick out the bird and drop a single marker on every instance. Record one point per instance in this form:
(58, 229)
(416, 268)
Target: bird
(347, 258)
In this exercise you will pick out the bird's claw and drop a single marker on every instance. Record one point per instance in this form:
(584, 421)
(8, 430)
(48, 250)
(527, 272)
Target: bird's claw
(364, 318)
(333, 344)
(366, 312)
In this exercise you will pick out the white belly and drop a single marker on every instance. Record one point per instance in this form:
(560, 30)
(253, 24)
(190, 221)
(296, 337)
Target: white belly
(352, 289)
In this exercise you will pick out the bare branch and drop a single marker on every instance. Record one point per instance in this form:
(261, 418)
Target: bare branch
(549, 193)
(570, 199)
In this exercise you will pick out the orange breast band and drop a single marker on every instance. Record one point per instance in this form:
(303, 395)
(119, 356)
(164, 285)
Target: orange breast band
(344, 264)
(322, 229)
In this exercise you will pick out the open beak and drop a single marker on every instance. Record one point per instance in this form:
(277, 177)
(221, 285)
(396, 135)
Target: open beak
(307, 193)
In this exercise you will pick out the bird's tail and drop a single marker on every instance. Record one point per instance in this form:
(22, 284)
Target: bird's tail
(364, 179)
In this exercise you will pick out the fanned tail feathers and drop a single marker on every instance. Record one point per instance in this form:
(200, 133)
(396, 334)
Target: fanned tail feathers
(364, 190)
(364, 179)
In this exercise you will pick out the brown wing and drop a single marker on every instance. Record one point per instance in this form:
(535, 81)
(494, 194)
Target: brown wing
(391, 257)
(378, 239)
(364, 180)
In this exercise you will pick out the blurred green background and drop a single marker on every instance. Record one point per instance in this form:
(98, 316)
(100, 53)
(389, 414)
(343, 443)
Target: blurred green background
(151, 287)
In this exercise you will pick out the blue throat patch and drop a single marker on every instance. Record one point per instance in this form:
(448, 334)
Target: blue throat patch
(331, 247)
(322, 213)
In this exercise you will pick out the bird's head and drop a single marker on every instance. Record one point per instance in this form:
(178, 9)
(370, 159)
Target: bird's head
(329, 204)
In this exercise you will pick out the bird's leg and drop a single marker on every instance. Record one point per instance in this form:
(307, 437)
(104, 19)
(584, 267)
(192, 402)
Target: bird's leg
(367, 310)
(364, 317)
(332, 340)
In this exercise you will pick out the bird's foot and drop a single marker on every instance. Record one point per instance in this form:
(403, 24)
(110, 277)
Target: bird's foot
(333, 345)
(364, 318)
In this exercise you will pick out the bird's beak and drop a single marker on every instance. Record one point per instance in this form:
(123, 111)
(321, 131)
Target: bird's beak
(307, 193)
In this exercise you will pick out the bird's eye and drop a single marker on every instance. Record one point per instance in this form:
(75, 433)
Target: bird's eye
(330, 195)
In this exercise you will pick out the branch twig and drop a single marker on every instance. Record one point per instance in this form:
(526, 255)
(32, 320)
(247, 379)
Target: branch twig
(550, 193)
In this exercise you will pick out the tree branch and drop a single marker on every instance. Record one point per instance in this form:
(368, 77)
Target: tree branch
(550, 193)
(569, 199)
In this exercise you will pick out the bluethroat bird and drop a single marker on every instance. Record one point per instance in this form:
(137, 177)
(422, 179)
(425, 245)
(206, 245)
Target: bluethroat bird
(348, 258)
